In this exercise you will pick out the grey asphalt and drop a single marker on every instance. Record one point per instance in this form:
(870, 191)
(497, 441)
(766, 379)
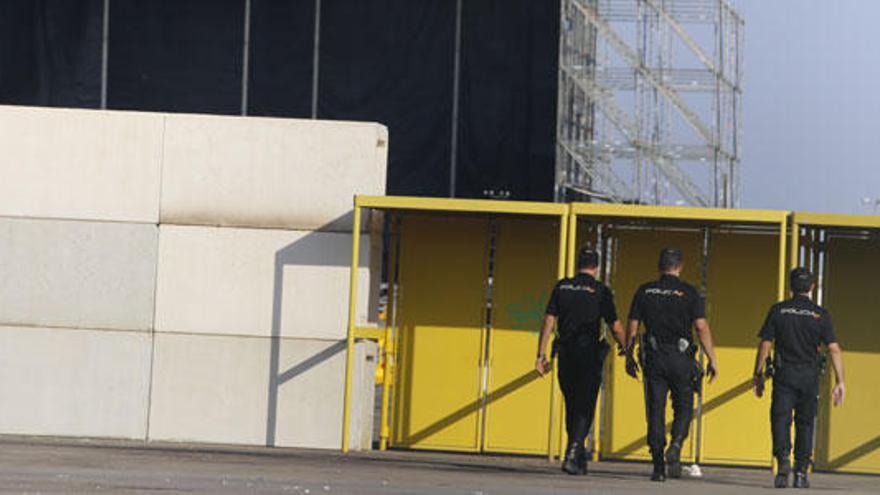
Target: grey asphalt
(39, 465)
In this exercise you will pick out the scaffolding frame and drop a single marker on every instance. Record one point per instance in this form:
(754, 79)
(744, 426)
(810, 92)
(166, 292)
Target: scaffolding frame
(649, 102)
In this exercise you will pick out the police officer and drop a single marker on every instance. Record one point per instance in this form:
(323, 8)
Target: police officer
(575, 307)
(669, 308)
(796, 327)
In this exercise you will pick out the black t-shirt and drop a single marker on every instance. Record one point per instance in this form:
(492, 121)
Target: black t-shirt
(668, 308)
(798, 326)
(578, 303)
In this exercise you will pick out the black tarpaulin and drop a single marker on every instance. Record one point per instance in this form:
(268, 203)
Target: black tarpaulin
(508, 98)
(391, 61)
(50, 52)
(176, 55)
(282, 56)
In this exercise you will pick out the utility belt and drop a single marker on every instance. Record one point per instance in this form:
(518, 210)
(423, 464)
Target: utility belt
(650, 346)
(774, 366)
(580, 343)
(682, 346)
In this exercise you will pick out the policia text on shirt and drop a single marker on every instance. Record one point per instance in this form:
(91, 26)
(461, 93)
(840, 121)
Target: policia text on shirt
(796, 328)
(575, 307)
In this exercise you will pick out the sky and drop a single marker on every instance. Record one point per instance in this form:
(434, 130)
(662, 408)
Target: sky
(811, 105)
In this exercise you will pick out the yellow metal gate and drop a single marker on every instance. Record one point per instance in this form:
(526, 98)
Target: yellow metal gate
(518, 404)
(441, 326)
(743, 282)
(846, 249)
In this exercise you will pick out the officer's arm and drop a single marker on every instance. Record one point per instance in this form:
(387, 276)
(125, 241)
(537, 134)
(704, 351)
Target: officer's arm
(837, 360)
(631, 333)
(546, 330)
(760, 358)
(542, 365)
(619, 335)
(705, 336)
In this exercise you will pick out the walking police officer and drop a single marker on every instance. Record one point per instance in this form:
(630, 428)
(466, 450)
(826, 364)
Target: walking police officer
(669, 308)
(796, 327)
(575, 307)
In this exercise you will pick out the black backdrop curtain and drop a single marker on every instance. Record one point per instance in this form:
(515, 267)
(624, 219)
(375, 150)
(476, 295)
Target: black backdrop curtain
(50, 52)
(390, 61)
(176, 55)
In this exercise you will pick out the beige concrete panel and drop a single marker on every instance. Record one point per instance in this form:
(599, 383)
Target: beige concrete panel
(256, 282)
(251, 390)
(266, 172)
(80, 164)
(67, 382)
(77, 274)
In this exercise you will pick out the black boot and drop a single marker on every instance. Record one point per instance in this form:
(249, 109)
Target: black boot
(782, 471)
(800, 475)
(582, 460)
(571, 464)
(800, 480)
(659, 473)
(673, 460)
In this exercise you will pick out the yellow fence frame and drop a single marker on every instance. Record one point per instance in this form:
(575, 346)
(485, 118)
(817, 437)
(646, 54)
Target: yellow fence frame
(676, 213)
(467, 206)
(823, 221)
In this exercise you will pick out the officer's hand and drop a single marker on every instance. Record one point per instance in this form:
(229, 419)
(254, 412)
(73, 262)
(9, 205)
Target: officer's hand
(542, 366)
(712, 371)
(632, 367)
(838, 393)
(758, 386)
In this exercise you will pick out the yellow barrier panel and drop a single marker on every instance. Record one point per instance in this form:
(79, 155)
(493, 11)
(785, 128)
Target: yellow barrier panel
(439, 379)
(518, 399)
(742, 285)
(851, 440)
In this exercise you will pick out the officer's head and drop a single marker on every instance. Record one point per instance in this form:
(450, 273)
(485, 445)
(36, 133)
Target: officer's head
(801, 281)
(671, 261)
(588, 259)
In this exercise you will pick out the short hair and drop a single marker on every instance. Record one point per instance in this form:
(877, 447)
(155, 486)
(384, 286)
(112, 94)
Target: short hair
(587, 258)
(801, 280)
(670, 259)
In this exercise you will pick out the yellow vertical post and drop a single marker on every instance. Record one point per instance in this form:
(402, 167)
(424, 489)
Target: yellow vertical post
(783, 236)
(352, 308)
(795, 244)
(388, 353)
(554, 399)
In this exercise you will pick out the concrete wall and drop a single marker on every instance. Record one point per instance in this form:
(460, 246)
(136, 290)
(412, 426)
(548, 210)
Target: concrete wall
(182, 277)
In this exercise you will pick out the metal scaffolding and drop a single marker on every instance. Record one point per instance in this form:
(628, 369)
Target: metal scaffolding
(649, 106)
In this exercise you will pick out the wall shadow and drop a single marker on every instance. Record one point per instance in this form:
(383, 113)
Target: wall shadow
(321, 247)
(729, 395)
(471, 408)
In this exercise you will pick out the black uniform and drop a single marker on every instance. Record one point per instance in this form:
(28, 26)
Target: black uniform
(579, 303)
(668, 308)
(797, 327)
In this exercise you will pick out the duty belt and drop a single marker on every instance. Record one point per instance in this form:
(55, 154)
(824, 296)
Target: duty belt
(682, 345)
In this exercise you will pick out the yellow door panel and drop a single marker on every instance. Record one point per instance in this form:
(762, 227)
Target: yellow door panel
(850, 440)
(443, 266)
(635, 262)
(518, 402)
(743, 274)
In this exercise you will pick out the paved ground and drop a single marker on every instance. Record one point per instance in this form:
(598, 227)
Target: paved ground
(56, 466)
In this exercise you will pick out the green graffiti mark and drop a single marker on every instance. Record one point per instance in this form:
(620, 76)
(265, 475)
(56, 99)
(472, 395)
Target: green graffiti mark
(527, 313)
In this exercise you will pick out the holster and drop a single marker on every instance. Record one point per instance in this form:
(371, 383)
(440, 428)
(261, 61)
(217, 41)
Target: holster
(697, 377)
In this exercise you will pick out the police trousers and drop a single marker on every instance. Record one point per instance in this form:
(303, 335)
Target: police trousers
(668, 371)
(795, 389)
(580, 376)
